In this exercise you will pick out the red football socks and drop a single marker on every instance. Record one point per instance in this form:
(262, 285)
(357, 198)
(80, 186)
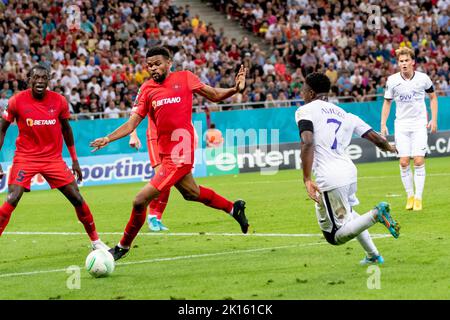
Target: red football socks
(158, 205)
(135, 224)
(5, 213)
(85, 216)
(211, 199)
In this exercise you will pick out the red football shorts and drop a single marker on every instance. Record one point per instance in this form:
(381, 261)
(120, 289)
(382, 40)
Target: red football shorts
(57, 173)
(169, 174)
(153, 152)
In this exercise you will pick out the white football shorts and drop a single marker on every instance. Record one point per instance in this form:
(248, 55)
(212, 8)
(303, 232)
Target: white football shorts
(411, 143)
(335, 207)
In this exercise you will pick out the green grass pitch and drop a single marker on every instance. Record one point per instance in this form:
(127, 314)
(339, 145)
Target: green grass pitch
(205, 257)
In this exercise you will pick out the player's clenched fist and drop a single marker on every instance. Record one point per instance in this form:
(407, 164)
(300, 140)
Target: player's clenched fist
(99, 143)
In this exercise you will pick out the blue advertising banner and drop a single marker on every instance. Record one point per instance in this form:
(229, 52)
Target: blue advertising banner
(239, 127)
(109, 169)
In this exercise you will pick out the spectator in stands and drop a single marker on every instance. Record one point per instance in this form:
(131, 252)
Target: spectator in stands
(332, 98)
(6, 91)
(280, 68)
(124, 110)
(47, 27)
(282, 98)
(258, 100)
(270, 102)
(356, 78)
(329, 56)
(294, 88)
(84, 114)
(3, 101)
(443, 86)
(111, 111)
(343, 83)
(75, 100)
(94, 85)
(305, 20)
(332, 74)
(308, 61)
(303, 34)
(268, 68)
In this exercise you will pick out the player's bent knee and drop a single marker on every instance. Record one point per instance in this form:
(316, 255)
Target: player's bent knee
(404, 163)
(330, 237)
(419, 162)
(75, 198)
(77, 202)
(139, 203)
(13, 198)
(190, 195)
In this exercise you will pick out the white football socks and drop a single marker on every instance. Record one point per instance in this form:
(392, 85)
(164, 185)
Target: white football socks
(355, 226)
(365, 240)
(407, 179)
(419, 180)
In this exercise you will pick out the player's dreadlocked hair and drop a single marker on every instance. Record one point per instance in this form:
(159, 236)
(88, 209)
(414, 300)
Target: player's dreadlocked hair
(38, 67)
(318, 82)
(156, 51)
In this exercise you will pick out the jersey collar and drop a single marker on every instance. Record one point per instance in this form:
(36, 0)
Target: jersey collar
(414, 73)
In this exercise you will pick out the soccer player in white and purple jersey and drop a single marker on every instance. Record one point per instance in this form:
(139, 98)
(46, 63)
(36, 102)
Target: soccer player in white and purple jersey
(408, 88)
(326, 131)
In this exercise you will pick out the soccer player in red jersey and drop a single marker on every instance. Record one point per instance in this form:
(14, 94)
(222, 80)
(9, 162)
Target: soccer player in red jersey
(167, 100)
(158, 205)
(43, 120)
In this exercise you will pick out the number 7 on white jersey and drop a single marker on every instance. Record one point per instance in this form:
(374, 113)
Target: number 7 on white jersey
(332, 120)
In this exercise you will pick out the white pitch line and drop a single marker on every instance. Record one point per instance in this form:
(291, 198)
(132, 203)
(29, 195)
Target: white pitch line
(299, 181)
(227, 252)
(7, 275)
(169, 259)
(176, 234)
(219, 254)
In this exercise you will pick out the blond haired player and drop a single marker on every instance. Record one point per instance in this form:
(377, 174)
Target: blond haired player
(408, 89)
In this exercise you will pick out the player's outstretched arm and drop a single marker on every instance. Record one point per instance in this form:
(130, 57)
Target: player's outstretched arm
(379, 141)
(219, 94)
(307, 157)
(70, 143)
(120, 132)
(384, 116)
(4, 125)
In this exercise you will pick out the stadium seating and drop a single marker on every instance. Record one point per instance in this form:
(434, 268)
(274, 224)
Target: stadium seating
(96, 53)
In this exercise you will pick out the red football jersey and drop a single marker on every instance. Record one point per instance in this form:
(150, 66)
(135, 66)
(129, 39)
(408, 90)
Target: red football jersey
(169, 106)
(40, 138)
(152, 133)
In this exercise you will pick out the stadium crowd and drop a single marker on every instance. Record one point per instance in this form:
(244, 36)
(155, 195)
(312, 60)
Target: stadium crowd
(336, 37)
(98, 61)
